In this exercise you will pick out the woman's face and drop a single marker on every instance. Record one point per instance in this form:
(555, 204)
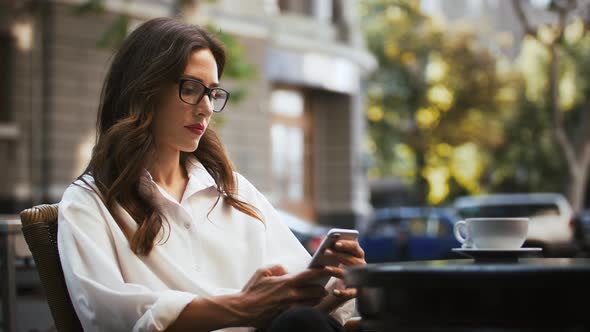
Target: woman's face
(179, 125)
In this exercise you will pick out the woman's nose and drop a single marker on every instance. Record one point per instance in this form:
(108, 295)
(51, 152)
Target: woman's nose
(205, 105)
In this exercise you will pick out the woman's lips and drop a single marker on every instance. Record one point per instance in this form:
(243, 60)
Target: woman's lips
(196, 129)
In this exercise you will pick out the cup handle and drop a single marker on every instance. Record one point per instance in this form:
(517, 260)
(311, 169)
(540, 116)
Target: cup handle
(461, 226)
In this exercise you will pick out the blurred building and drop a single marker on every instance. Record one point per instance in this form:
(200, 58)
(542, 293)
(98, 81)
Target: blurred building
(296, 136)
(495, 21)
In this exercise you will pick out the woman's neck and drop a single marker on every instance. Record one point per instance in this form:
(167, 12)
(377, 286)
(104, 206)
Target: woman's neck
(168, 172)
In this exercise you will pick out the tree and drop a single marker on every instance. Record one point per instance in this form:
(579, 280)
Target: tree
(566, 60)
(528, 161)
(437, 103)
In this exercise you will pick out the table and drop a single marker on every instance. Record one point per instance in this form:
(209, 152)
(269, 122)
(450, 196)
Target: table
(8, 229)
(462, 295)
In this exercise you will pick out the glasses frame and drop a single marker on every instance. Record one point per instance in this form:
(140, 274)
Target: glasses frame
(206, 91)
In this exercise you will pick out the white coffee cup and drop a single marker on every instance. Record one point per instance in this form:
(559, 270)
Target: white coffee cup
(492, 233)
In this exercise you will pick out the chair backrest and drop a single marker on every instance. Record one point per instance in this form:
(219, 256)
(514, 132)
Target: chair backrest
(40, 231)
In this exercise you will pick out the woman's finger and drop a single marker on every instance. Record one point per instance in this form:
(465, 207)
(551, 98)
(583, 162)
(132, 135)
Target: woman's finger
(274, 270)
(265, 272)
(308, 276)
(336, 271)
(351, 247)
(345, 293)
(345, 258)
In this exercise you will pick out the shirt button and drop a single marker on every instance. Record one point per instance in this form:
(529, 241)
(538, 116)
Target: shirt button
(187, 225)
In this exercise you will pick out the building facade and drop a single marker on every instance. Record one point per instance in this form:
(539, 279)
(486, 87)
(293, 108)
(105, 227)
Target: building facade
(296, 136)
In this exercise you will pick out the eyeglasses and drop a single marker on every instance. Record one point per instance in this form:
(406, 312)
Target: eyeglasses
(191, 91)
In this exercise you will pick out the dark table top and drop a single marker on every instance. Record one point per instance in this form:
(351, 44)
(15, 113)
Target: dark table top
(462, 293)
(528, 272)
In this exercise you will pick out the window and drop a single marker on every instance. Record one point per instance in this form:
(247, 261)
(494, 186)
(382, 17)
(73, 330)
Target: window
(291, 153)
(5, 76)
(337, 15)
(303, 7)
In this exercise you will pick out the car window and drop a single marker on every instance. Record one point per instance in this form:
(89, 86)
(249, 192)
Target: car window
(442, 231)
(418, 226)
(509, 210)
(431, 225)
(385, 228)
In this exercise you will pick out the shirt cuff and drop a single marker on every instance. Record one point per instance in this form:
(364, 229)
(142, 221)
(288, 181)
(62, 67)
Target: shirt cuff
(344, 312)
(164, 311)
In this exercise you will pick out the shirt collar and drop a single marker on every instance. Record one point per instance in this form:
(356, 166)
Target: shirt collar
(198, 179)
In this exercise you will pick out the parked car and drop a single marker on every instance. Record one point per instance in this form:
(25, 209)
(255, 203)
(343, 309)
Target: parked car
(550, 226)
(409, 233)
(582, 231)
(310, 235)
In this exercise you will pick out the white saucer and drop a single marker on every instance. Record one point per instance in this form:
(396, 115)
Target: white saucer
(497, 254)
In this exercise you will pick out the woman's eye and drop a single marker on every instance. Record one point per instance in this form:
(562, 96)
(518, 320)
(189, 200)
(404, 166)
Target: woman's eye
(189, 91)
(218, 94)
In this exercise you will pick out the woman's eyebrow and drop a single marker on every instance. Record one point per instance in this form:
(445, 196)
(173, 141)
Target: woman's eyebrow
(213, 85)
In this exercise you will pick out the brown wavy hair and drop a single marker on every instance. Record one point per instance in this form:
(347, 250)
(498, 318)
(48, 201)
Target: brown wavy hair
(153, 56)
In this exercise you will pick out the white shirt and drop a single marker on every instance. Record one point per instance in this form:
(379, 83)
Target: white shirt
(200, 254)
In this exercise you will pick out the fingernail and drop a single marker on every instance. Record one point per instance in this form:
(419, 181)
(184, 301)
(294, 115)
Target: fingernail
(337, 292)
(338, 244)
(328, 251)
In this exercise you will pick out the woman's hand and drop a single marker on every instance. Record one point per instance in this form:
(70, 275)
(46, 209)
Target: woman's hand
(348, 253)
(270, 291)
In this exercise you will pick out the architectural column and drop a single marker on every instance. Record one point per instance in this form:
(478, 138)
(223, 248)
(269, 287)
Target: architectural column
(322, 10)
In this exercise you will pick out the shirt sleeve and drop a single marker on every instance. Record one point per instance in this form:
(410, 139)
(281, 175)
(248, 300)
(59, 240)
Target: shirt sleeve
(284, 248)
(102, 299)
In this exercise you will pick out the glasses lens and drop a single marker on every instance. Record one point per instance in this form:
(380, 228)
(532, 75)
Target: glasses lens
(219, 98)
(191, 92)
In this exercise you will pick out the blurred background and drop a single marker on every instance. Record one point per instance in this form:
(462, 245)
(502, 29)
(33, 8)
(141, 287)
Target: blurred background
(395, 117)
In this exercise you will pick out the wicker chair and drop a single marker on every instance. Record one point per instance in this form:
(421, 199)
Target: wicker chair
(40, 231)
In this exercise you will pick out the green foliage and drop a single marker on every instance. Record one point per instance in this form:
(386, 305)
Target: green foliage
(90, 7)
(450, 118)
(434, 92)
(531, 160)
(115, 34)
(236, 67)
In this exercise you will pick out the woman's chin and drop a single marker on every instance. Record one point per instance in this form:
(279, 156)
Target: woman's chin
(190, 148)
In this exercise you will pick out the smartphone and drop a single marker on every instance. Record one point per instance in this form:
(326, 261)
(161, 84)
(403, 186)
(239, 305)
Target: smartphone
(319, 260)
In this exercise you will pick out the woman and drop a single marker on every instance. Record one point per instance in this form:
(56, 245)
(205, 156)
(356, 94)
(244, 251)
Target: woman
(159, 233)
